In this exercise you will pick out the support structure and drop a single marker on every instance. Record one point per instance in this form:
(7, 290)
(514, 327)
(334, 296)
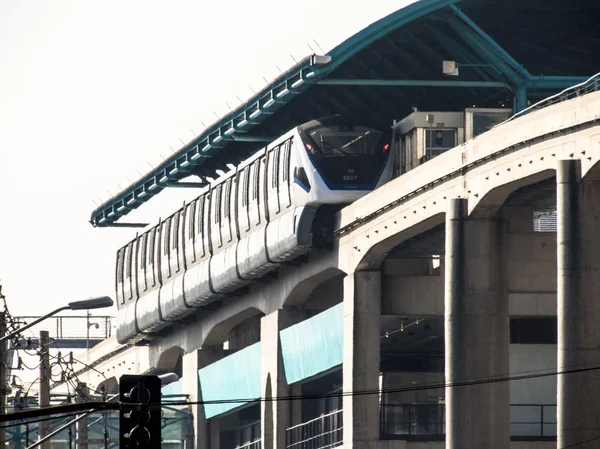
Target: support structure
(578, 279)
(44, 383)
(476, 331)
(192, 363)
(362, 311)
(275, 415)
(81, 438)
(3, 371)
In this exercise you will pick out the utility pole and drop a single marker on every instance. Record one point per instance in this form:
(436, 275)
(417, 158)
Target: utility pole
(81, 440)
(3, 371)
(44, 383)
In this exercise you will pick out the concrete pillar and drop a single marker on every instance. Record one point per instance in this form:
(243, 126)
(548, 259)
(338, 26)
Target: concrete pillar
(578, 296)
(296, 414)
(215, 434)
(477, 331)
(275, 415)
(362, 311)
(192, 362)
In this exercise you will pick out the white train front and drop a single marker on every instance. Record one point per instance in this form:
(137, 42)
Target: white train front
(273, 207)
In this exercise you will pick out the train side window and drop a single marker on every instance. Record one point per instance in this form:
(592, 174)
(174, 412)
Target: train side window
(255, 179)
(200, 215)
(245, 185)
(120, 264)
(275, 167)
(286, 159)
(226, 200)
(129, 252)
(175, 233)
(151, 245)
(167, 231)
(217, 205)
(144, 250)
(191, 212)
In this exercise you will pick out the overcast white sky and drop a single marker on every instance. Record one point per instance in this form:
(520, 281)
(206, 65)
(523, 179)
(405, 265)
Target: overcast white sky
(92, 92)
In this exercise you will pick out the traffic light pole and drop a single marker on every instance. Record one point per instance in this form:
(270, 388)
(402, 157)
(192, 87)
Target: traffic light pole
(3, 371)
(44, 383)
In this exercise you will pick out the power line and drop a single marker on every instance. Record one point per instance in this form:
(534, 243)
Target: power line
(115, 406)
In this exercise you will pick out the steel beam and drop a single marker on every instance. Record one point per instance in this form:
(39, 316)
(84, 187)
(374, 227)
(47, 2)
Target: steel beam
(423, 83)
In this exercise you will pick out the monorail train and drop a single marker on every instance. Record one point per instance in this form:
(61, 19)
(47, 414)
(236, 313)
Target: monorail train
(270, 209)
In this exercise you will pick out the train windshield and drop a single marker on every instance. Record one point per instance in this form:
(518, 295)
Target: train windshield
(347, 157)
(340, 140)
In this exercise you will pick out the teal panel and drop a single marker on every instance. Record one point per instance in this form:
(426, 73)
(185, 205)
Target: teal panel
(174, 388)
(235, 377)
(313, 346)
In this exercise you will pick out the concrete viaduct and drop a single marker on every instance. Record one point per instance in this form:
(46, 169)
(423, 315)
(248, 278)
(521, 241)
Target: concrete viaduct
(472, 207)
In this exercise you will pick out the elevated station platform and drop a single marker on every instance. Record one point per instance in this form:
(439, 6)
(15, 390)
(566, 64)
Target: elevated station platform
(499, 54)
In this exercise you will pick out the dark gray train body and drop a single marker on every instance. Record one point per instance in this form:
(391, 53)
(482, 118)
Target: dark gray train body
(262, 213)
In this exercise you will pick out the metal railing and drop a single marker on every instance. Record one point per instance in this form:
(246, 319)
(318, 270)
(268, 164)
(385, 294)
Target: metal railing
(323, 432)
(428, 421)
(71, 327)
(590, 85)
(256, 444)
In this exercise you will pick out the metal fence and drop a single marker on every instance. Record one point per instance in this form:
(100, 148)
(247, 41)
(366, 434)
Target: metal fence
(102, 429)
(320, 433)
(428, 421)
(80, 327)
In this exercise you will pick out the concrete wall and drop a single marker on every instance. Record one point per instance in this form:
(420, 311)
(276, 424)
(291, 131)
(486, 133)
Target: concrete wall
(531, 278)
(531, 359)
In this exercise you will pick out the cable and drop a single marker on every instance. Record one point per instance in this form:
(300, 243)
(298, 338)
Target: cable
(48, 418)
(412, 388)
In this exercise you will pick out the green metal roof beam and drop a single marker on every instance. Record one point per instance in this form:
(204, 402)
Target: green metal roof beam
(423, 83)
(382, 27)
(492, 44)
(555, 82)
(480, 47)
(174, 168)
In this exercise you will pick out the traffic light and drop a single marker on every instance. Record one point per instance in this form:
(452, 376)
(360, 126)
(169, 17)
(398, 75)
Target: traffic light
(139, 424)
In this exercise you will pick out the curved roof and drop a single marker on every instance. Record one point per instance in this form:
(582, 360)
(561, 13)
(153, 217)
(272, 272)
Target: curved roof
(508, 52)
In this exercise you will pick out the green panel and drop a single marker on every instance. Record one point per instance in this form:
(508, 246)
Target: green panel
(235, 377)
(313, 346)
(174, 388)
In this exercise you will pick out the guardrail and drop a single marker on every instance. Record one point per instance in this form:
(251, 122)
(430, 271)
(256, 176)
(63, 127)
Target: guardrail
(590, 85)
(320, 433)
(78, 327)
(428, 421)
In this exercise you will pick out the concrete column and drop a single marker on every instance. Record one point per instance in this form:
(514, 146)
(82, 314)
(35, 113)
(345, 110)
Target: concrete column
(192, 362)
(275, 415)
(296, 414)
(362, 311)
(578, 289)
(215, 434)
(477, 331)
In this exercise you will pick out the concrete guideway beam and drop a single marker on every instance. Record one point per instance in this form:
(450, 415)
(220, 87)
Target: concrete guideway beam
(578, 302)
(520, 152)
(476, 331)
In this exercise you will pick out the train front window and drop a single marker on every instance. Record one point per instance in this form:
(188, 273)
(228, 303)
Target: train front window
(340, 140)
(350, 157)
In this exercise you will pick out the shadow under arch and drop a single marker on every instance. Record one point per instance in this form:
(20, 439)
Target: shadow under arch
(108, 386)
(170, 360)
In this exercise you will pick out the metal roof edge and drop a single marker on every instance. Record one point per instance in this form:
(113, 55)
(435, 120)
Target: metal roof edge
(381, 27)
(127, 200)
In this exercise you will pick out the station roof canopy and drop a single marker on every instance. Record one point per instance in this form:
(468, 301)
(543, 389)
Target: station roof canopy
(507, 52)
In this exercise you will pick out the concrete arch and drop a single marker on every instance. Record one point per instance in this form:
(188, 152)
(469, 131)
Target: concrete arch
(305, 290)
(170, 360)
(212, 327)
(108, 386)
(376, 254)
(216, 333)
